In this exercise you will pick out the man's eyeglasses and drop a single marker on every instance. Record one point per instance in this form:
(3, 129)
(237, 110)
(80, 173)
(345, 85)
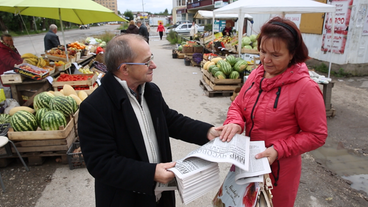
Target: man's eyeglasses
(148, 63)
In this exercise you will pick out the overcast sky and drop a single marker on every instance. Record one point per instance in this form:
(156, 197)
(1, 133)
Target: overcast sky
(149, 5)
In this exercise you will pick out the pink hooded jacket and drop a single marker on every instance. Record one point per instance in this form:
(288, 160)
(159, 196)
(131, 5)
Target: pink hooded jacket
(288, 112)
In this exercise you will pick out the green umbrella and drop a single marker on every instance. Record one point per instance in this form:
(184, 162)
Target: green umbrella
(75, 11)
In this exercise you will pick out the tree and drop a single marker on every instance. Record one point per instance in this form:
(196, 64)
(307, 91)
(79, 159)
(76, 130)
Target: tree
(166, 12)
(129, 14)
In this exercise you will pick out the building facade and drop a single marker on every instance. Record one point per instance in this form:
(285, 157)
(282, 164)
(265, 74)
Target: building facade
(110, 4)
(186, 9)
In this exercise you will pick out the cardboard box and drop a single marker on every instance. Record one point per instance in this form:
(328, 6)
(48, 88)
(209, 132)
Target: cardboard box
(250, 58)
(12, 78)
(22, 69)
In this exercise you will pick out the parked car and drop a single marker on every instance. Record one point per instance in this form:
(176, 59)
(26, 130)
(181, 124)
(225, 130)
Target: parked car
(86, 26)
(178, 23)
(185, 28)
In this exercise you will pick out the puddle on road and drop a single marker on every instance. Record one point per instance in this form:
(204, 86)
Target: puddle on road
(348, 166)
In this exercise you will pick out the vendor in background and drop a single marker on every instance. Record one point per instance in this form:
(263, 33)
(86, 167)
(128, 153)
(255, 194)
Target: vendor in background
(9, 56)
(193, 30)
(132, 28)
(51, 40)
(228, 30)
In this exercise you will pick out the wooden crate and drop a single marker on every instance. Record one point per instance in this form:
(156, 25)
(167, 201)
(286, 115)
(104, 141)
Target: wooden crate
(88, 82)
(211, 93)
(220, 87)
(220, 81)
(46, 145)
(56, 58)
(40, 134)
(12, 78)
(180, 55)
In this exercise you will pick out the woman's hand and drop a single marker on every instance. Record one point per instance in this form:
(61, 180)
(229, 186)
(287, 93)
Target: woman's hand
(270, 153)
(229, 131)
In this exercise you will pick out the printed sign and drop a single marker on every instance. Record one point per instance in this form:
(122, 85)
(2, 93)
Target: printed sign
(342, 19)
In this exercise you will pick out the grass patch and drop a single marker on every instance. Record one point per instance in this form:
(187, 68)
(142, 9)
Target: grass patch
(106, 36)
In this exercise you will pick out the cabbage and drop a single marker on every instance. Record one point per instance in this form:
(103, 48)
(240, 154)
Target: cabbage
(180, 48)
(255, 48)
(253, 38)
(246, 41)
(248, 47)
(103, 44)
(255, 44)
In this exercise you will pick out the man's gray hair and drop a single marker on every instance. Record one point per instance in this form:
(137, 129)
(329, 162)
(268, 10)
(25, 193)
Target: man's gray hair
(139, 22)
(53, 27)
(118, 51)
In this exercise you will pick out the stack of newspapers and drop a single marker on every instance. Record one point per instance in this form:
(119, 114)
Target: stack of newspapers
(198, 172)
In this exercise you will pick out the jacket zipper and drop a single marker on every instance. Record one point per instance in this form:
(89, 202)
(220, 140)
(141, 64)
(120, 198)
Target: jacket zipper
(254, 106)
(248, 89)
(277, 98)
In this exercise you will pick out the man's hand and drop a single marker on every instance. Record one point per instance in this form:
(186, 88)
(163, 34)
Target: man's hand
(270, 153)
(162, 175)
(213, 133)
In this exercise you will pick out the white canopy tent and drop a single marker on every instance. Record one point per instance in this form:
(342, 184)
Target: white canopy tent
(204, 14)
(242, 7)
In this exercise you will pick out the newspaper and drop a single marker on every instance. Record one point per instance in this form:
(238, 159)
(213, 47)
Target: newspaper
(198, 172)
(235, 152)
(257, 167)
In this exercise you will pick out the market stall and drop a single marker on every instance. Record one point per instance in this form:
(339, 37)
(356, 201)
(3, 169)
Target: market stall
(39, 81)
(282, 7)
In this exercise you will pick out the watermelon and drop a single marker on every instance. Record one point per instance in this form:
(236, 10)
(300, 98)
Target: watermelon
(42, 100)
(211, 67)
(214, 70)
(220, 75)
(224, 66)
(231, 59)
(40, 113)
(52, 120)
(74, 103)
(234, 75)
(240, 66)
(62, 104)
(4, 118)
(23, 121)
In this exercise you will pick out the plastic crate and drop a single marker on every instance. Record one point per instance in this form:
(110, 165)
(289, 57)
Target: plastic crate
(75, 160)
(4, 129)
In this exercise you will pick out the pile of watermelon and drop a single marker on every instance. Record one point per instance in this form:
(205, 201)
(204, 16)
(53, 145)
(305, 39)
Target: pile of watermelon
(51, 112)
(229, 68)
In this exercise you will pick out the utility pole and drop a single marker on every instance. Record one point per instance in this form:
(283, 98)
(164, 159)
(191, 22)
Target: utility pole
(143, 13)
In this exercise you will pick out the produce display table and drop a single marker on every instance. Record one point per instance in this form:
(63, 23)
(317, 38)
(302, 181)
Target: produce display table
(29, 88)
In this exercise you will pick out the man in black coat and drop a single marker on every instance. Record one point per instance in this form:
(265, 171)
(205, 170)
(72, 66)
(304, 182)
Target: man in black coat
(124, 129)
(143, 30)
(51, 40)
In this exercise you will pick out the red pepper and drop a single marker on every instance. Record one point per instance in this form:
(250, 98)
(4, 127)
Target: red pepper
(99, 49)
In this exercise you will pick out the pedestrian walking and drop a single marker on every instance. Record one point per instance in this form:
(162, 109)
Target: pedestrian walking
(160, 30)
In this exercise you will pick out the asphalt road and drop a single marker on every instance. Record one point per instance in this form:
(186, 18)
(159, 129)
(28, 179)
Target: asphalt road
(34, 43)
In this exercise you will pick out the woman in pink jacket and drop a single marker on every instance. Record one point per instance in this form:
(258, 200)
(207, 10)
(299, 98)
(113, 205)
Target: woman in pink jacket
(281, 105)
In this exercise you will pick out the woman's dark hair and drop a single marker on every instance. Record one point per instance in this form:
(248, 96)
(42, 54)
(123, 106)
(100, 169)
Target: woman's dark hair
(285, 30)
(5, 35)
